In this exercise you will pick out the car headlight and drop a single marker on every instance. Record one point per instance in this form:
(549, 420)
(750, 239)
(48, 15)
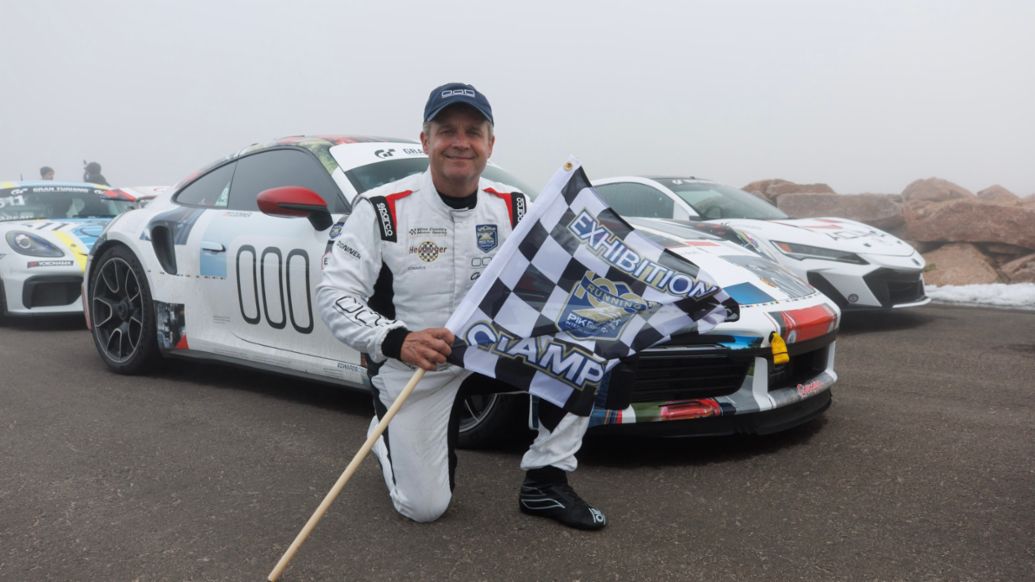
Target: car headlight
(25, 243)
(801, 252)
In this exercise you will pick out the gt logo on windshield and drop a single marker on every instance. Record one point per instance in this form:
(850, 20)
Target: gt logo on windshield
(385, 153)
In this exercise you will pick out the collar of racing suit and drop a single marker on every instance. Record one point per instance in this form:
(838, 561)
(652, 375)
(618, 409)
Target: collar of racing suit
(466, 203)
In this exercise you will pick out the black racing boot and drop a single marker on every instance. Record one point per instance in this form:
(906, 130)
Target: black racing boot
(546, 493)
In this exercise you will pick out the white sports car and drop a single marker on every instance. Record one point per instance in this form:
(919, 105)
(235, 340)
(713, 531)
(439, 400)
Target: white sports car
(226, 266)
(46, 232)
(856, 265)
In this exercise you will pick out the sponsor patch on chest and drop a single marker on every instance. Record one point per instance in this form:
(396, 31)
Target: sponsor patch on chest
(427, 251)
(487, 236)
(428, 231)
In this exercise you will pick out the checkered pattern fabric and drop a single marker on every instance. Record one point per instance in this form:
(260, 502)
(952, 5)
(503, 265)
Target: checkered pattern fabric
(573, 290)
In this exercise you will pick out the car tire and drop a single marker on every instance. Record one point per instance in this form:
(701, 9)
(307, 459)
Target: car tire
(488, 418)
(122, 313)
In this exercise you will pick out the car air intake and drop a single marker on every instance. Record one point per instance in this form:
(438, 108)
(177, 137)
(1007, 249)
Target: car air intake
(51, 291)
(687, 372)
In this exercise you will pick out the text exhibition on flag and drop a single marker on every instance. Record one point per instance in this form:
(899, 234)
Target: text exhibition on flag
(572, 291)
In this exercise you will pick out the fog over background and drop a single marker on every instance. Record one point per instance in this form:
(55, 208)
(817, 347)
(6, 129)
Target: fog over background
(865, 96)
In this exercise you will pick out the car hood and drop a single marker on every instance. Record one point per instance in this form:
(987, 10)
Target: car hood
(768, 294)
(75, 236)
(832, 233)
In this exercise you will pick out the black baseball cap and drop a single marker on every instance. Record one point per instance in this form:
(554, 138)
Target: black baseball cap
(452, 94)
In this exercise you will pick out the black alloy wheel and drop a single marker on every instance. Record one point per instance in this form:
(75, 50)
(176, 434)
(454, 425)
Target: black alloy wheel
(122, 313)
(492, 419)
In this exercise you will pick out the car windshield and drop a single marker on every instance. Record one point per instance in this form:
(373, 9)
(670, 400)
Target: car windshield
(717, 201)
(377, 174)
(35, 202)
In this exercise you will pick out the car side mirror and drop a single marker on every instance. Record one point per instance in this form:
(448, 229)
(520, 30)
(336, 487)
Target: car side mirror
(295, 201)
(713, 212)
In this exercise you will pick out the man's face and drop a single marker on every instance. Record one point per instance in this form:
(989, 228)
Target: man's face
(48, 175)
(458, 143)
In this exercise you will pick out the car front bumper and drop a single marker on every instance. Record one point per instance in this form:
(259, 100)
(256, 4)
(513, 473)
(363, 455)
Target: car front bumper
(710, 391)
(43, 290)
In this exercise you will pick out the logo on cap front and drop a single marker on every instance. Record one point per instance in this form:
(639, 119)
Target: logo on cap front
(458, 93)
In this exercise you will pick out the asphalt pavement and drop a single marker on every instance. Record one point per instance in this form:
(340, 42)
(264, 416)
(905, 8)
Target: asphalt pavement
(923, 469)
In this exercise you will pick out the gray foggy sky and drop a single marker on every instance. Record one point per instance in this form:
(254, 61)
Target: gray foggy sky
(863, 95)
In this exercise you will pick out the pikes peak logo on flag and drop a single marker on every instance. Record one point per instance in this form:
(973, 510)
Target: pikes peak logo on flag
(573, 290)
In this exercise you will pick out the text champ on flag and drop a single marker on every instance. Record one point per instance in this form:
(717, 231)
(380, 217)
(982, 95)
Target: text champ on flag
(572, 291)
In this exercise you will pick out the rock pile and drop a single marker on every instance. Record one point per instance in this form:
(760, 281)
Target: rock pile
(966, 238)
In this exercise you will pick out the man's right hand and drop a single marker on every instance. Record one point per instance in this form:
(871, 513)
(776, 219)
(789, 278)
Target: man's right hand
(427, 348)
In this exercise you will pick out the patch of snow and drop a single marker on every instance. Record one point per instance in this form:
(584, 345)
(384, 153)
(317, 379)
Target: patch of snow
(1015, 295)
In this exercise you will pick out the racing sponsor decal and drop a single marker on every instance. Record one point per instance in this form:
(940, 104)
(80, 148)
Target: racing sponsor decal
(479, 263)
(748, 294)
(384, 210)
(18, 200)
(351, 367)
(360, 313)
(264, 287)
(517, 204)
(428, 231)
(798, 325)
(427, 251)
(599, 308)
(37, 264)
(386, 153)
(385, 221)
(791, 394)
(458, 93)
(809, 388)
(773, 275)
(171, 326)
(347, 249)
(336, 230)
(488, 237)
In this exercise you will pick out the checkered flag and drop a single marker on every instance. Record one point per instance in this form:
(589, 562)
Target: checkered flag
(571, 291)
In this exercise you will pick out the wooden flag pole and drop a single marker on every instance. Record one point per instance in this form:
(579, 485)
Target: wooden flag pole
(345, 476)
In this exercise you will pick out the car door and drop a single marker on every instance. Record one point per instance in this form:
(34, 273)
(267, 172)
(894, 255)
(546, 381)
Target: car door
(264, 304)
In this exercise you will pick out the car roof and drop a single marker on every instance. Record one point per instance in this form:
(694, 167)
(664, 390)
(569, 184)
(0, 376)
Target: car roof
(320, 143)
(52, 183)
(317, 144)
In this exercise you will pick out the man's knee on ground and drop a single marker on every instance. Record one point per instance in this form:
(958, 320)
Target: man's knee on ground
(424, 508)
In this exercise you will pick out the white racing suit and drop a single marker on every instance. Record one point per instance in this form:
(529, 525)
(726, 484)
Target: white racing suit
(405, 258)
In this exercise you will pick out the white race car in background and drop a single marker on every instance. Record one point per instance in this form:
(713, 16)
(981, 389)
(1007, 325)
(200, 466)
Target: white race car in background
(144, 195)
(856, 265)
(46, 232)
(226, 266)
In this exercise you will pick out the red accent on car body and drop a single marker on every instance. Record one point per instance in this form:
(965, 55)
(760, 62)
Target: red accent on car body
(690, 409)
(807, 323)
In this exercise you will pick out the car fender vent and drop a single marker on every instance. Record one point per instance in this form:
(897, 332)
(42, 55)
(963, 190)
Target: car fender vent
(164, 247)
